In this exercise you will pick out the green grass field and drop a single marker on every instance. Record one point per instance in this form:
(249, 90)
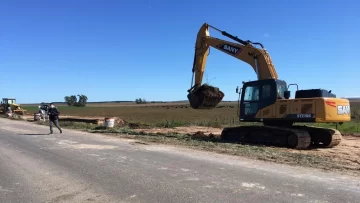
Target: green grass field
(173, 115)
(155, 114)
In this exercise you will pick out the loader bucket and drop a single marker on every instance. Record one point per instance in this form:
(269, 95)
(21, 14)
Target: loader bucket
(205, 97)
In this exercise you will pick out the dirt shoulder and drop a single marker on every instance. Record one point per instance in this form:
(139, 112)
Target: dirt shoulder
(345, 156)
(347, 152)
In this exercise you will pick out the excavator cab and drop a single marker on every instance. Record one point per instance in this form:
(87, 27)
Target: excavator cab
(259, 94)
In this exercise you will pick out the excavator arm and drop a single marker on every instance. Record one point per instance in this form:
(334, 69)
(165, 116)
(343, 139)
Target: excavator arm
(204, 96)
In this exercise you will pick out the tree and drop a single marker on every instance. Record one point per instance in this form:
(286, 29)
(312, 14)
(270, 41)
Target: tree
(74, 101)
(140, 101)
(71, 100)
(82, 101)
(67, 100)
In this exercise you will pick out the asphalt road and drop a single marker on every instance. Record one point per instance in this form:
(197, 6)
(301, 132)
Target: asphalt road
(82, 167)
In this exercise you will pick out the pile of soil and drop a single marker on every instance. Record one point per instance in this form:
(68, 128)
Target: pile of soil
(202, 136)
(205, 97)
(119, 121)
(185, 130)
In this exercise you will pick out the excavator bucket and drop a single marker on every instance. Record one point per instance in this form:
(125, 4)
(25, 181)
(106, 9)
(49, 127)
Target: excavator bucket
(205, 97)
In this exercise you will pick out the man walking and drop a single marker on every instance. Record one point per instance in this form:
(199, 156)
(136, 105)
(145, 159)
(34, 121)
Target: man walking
(53, 117)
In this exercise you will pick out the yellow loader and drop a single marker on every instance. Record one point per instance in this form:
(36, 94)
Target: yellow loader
(10, 105)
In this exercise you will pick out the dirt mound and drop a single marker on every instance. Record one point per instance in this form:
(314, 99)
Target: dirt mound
(136, 125)
(119, 121)
(205, 97)
(202, 135)
(184, 130)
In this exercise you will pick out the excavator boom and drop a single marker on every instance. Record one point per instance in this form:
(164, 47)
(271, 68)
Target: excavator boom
(205, 97)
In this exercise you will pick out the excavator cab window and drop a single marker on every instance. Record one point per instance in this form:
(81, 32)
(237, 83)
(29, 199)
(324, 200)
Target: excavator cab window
(250, 100)
(281, 88)
(251, 93)
(266, 91)
(257, 95)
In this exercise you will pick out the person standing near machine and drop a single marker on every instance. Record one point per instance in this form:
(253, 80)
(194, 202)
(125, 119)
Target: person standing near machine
(54, 117)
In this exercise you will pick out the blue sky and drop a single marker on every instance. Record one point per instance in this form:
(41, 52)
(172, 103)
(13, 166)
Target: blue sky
(126, 49)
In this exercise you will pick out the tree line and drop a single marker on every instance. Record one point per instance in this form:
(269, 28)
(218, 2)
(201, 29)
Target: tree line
(74, 101)
(81, 100)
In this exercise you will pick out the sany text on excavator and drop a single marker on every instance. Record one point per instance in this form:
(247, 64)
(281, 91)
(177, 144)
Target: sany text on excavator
(267, 99)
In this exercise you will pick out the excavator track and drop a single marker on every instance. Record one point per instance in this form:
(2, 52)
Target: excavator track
(268, 135)
(205, 97)
(296, 137)
(324, 137)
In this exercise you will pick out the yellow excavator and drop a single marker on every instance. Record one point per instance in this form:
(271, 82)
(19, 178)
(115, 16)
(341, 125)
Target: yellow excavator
(267, 99)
